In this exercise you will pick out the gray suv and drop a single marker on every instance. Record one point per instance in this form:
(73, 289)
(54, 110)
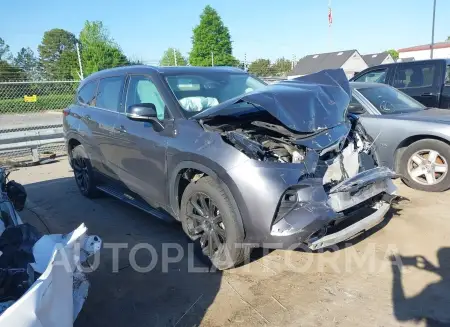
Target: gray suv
(239, 163)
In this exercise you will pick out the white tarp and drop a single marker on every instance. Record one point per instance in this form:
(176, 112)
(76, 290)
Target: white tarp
(56, 298)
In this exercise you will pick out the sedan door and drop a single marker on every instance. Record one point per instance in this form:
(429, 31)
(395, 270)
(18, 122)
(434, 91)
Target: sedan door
(419, 81)
(141, 155)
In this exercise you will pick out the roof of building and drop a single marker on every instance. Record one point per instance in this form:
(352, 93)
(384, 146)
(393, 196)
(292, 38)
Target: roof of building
(438, 45)
(375, 59)
(317, 62)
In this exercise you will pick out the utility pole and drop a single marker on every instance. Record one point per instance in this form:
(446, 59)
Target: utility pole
(80, 74)
(212, 58)
(175, 56)
(245, 61)
(432, 30)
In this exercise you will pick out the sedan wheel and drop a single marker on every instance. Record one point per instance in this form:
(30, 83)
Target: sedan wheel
(424, 165)
(427, 167)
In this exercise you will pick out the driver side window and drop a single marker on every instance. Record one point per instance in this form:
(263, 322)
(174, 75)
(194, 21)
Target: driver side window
(142, 90)
(374, 76)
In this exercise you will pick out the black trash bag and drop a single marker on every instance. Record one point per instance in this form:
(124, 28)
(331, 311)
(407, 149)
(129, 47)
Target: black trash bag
(17, 194)
(14, 283)
(16, 245)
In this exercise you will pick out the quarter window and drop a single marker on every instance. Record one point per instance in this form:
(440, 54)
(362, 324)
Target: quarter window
(109, 93)
(142, 90)
(414, 76)
(86, 93)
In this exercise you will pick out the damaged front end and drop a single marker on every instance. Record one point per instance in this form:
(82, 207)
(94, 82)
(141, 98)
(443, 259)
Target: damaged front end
(304, 124)
(42, 280)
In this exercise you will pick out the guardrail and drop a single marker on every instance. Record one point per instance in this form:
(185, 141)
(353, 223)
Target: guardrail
(31, 140)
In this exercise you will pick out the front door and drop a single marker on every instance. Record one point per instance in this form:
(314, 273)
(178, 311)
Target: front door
(142, 151)
(419, 81)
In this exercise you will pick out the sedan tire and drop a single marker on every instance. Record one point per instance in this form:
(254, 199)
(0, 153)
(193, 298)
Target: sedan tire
(425, 165)
(83, 172)
(208, 216)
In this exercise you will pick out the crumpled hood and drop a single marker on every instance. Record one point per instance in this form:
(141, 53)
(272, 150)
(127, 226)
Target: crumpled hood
(305, 104)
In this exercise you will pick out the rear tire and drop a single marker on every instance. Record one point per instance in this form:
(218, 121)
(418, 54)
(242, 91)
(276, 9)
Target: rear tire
(208, 216)
(425, 164)
(83, 172)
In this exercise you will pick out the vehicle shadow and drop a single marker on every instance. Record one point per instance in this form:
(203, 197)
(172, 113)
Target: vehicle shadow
(432, 304)
(149, 273)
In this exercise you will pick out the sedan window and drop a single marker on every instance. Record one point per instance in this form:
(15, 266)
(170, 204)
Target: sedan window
(389, 100)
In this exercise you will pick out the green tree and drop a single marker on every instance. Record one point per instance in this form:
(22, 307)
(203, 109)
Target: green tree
(448, 38)
(57, 53)
(28, 63)
(9, 72)
(260, 67)
(393, 53)
(169, 56)
(211, 41)
(5, 54)
(282, 66)
(98, 49)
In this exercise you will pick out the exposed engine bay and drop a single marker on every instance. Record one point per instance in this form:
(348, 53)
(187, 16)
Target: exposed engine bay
(273, 142)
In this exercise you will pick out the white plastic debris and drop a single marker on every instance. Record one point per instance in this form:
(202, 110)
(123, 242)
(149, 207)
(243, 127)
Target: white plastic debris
(57, 296)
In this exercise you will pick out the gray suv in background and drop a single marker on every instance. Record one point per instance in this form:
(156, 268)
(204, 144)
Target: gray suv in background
(239, 163)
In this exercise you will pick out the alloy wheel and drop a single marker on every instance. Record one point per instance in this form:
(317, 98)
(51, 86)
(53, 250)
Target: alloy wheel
(204, 221)
(427, 167)
(81, 172)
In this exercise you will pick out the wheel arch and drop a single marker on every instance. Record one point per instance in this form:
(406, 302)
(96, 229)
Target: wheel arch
(176, 187)
(410, 140)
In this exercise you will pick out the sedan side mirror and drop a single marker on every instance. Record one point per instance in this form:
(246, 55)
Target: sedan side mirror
(145, 112)
(356, 109)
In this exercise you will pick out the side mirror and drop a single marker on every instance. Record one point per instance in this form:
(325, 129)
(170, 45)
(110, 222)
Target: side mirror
(356, 109)
(145, 112)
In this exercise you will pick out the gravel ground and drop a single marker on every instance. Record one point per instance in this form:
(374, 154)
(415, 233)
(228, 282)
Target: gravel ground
(356, 285)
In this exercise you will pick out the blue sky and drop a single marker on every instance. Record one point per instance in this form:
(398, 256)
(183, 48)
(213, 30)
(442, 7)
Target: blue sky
(259, 29)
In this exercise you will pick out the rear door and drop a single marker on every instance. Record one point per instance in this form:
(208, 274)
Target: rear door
(102, 119)
(419, 80)
(141, 155)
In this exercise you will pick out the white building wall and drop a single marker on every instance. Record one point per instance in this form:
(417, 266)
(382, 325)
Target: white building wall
(441, 53)
(388, 60)
(354, 64)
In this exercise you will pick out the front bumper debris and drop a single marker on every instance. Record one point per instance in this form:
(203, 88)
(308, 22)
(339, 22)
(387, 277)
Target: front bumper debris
(317, 217)
(353, 230)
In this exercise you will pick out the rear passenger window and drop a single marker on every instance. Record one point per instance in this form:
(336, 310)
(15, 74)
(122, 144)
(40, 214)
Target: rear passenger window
(414, 76)
(86, 93)
(109, 93)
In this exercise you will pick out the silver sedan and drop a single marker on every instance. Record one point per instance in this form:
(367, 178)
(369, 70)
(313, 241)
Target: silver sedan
(410, 138)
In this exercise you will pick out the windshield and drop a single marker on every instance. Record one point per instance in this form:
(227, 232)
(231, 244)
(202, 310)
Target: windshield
(389, 100)
(197, 92)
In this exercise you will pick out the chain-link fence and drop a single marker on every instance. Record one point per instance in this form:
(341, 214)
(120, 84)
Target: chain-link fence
(31, 118)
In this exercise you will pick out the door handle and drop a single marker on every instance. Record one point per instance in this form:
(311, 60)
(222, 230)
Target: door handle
(120, 129)
(427, 94)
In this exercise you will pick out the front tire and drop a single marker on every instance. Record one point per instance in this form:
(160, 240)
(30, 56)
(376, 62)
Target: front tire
(207, 215)
(425, 165)
(83, 172)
